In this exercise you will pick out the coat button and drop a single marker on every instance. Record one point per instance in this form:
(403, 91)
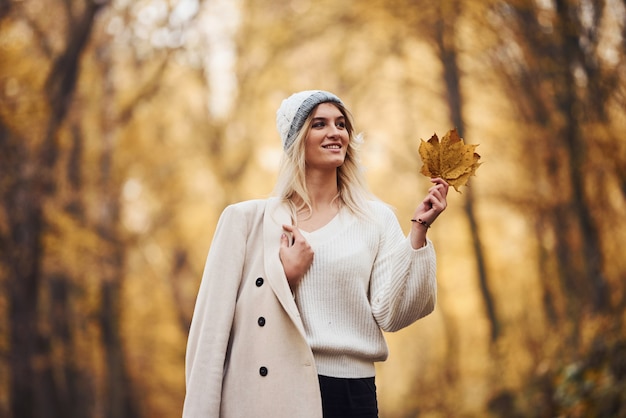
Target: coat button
(259, 282)
(261, 321)
(263, 371)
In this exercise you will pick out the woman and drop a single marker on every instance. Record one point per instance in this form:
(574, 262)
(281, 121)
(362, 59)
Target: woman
(298, 288)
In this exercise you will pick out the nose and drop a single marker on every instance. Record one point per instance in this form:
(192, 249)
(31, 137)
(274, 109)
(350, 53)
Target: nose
(333, 131)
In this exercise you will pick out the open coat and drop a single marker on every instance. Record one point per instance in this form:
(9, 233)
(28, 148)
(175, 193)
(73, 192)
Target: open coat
(247, 354)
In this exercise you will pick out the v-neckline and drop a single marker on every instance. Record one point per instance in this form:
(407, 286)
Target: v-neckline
(325, 231)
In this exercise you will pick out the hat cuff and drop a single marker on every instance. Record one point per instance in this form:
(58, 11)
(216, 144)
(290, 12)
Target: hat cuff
(303, 112)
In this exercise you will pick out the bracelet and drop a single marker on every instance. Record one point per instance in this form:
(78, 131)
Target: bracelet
(419, 221)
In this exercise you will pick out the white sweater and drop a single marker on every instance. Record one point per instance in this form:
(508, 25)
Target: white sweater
(365, 277)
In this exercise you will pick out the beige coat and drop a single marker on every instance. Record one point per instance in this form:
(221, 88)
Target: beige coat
(247, 355)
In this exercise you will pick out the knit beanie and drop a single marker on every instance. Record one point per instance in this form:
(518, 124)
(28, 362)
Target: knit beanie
(294, 110)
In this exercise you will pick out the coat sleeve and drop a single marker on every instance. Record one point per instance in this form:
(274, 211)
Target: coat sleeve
(403, 285)
(212, 320)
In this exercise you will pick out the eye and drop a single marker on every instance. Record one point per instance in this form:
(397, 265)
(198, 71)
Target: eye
(341, 125)
(318, 124)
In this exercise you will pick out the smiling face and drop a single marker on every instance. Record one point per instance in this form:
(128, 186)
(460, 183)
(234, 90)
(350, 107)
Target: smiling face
(327, 141)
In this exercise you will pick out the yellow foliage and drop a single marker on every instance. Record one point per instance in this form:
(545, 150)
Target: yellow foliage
(451, 159)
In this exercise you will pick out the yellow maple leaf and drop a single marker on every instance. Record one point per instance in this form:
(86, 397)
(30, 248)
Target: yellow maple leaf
(451, 159)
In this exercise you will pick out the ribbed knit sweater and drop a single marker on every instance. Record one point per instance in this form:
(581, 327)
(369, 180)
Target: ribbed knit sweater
(365, 278)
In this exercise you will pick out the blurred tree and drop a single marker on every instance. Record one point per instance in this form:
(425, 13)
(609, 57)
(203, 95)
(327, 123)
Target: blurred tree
(563, 87)
(126, 128)
(445, 35)
(5, 7)
(29, 187)
(118, 399)
(561, 64)
(63, 253)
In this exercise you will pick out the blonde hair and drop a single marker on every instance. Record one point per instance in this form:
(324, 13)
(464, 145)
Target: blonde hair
(352, 187)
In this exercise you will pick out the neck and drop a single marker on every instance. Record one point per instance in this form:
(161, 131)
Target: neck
(322, 188)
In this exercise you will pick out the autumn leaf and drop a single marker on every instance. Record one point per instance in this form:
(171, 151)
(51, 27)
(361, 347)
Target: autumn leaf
(451, 159)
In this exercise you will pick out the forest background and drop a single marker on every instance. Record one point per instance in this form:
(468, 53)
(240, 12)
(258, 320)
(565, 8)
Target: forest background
(127, 126)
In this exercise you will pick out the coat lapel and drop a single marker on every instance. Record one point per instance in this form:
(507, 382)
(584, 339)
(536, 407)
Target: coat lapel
(276, 215)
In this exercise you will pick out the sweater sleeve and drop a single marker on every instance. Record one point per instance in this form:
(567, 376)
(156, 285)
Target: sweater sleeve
(213, 317)
(403, 284)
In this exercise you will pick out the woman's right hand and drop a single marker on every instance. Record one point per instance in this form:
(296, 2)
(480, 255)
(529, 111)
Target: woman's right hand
(296, 255)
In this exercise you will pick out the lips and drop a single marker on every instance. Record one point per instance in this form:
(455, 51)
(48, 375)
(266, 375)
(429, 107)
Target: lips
(331, 146)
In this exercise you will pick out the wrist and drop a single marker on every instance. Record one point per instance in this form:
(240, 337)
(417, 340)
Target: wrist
(418, 236)
(421, 222)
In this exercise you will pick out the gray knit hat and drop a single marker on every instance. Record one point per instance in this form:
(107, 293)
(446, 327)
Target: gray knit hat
(294, 110)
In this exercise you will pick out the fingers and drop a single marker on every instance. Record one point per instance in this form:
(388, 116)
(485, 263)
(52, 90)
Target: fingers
(437, 195)
(297, 236)
(434, 203)
(286, 239)
(440, 185)
(295, 254)
(438, 180)
(437, 199)
(295, 233)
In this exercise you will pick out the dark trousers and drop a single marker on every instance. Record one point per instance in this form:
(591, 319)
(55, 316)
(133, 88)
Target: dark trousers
(346, 398)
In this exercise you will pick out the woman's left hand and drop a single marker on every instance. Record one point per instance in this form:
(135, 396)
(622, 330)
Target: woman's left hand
(428, 210)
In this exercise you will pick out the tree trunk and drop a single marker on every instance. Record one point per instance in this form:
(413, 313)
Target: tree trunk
(25, 219)
(594, 284)
(118, 387)
(29, 184)
(448, 55)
